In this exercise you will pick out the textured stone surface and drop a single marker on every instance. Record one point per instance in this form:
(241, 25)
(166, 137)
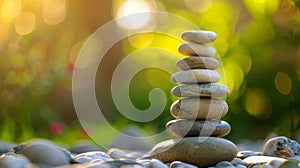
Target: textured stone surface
(261, 160)
(282, 147)
(177, 164)
(195, 76)
(42, 152)
(200, 90)
(224, 164)
(199, 151)
(193, 49)
(91, 156)
(197, 63)
(191, 108)
(190, 128)
(199, 36)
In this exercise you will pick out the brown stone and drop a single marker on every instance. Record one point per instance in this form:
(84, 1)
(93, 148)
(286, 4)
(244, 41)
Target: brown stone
(199, 36)
(195, 76)
(197, 63)
(200, 90)
(203, 108)
(200, 151)
(193, 49)
(190, 128)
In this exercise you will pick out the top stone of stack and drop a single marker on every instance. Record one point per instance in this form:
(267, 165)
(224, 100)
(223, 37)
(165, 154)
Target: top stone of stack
(200, 37)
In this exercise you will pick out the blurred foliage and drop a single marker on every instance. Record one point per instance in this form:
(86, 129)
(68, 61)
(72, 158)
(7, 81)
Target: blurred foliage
(258, 43)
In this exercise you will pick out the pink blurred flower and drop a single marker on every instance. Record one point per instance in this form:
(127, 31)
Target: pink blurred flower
(56, 128)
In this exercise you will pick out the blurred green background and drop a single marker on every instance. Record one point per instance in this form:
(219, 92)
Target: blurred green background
(258, 43)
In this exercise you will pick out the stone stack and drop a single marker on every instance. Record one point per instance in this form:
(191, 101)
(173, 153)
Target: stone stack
(198, 111)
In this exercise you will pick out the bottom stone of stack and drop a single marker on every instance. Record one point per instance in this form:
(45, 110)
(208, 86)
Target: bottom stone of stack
(199, 151)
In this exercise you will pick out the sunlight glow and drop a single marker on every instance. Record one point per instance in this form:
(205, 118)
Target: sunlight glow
(257, 104)
(131, 7)
(54, 11)
(283, 83)
(25, 23)
(10, 9)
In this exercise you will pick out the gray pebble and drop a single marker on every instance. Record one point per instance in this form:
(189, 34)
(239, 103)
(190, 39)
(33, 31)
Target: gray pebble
(240, 166)
(154, 163)
(117, 153)
(91, 157)
(236, 161)
(282, 147)
(178, 164)
(195, 76)
(13, 161)
(199, 36)
(193, 49)
(197, 63)
(43, 152)
(224, 164)
(6, 147)
(246, 153)
(190, 128)
(200, 90)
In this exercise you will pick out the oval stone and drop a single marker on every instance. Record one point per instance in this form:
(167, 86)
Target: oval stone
(190, 128)
(200, 151)
(193, 49)
(197, 63)
(195, 76)
(203, 108)
(43, 152)
(200, 90)
(199, 36)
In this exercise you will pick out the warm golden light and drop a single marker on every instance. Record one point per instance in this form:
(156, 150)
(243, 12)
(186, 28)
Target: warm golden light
(198, 5)
(283, 83)
(54, 11)
(257, 104)
(141, 41)
(10, 9)
(25, 23)
(131, 7)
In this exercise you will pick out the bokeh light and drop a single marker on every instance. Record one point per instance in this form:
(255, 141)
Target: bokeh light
(54, 11)
(283, 83)
(258, 104)
(25, 23)
(10, 9)
(131, 7)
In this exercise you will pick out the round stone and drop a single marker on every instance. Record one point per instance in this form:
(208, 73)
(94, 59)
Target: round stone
(195, 108)
(282, 147)
(197, 63)
(261, 160)
(199, 151)
(43, 152)
(193, 49)
(199, 36)
(177, 164)
(195, 76)
(91, 156)
(224, 164)
(200, 90)
(190, 128)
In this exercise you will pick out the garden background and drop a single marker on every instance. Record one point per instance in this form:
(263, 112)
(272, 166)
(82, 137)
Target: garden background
(258, 44)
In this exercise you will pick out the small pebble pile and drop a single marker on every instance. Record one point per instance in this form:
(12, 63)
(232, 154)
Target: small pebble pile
(201, 106)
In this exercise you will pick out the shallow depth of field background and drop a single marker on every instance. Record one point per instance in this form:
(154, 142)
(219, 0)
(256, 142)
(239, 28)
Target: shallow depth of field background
(258, 44)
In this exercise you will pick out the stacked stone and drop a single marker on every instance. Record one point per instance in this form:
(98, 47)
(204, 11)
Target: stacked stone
(201, 106)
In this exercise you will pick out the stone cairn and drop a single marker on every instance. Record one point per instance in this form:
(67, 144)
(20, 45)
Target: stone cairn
(198, 111)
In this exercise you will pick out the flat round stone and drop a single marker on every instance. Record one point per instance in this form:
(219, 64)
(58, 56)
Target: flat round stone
(195, 76)
(200, 90)
(203, 108)
(191, 128)
(197, 63)
(199, 151)
(193, 49)
(199, 36)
